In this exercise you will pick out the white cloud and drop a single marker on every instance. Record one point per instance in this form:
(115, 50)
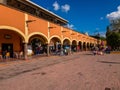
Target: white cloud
(118, 8)
(114, 15)
(65, 8)
(71, 26)
(56, 6)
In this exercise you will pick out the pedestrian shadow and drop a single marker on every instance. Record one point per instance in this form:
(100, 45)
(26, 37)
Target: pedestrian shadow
(109, 62)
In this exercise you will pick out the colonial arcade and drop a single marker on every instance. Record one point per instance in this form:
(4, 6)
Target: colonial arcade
(26, 26)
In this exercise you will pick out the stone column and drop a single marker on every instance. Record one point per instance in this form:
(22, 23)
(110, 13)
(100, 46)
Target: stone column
(88, 46)
(56, 46)
(78, 48)
(61, 46)
(48, 50)
(81, 47)
(61, 50)
(25, 51)
(71, 52)
(85, 47)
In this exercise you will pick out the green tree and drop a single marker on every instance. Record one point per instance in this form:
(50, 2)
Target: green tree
(113, 40)
(113, 34)
(102, 38)
(108, 31)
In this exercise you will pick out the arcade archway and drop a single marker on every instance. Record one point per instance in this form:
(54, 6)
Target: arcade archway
(80, 45)
(11, 41)
(38, 44)
(91, 46)
(66, 43)
(84, 46)
(88, 46)
(74, 46)
(55, 45)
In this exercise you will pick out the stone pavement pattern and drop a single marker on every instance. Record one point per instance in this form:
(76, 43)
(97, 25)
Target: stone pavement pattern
(81, 71)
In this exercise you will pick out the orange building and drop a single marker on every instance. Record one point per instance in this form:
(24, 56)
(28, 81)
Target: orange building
(25, 25)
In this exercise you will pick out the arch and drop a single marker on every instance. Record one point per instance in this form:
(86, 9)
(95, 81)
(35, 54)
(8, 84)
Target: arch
(14, 29)
(66, 38)
(88, 46)
(74, 42)
(37, 33)
(38, 42)
(55, 44)
(80, 45)
(55, 36)
(74, 46)
(79, 42)
(15, 43)
(84, 46)
(91, 45)
(66, 43)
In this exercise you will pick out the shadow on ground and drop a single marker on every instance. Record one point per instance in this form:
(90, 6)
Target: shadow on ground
(109, 62)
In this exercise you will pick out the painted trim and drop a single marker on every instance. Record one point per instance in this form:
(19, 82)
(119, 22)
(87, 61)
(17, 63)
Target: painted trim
(55, 36)
(61, 32)
(45, 10)
(75, 41)
(14, 29)
(37, 33)
(26, 26)
(48, 30)
(67, 39)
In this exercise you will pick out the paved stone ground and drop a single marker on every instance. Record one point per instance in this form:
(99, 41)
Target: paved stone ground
(80, 71)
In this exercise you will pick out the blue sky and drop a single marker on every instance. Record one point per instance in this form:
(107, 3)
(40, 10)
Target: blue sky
(90, 16)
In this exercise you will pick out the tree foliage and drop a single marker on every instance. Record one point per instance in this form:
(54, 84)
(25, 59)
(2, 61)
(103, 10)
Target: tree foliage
(113, 40)
(115, 24)
(113, 34)
(102, 38)
(108, 31)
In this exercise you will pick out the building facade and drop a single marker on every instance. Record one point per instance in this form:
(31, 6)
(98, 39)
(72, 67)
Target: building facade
(25, 25)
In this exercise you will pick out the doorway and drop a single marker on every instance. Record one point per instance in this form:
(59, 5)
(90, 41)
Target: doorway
(8, 47)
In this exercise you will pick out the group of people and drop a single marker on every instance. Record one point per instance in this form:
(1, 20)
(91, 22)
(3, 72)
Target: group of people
(7, 54)
(100, 50)
(40, 50)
